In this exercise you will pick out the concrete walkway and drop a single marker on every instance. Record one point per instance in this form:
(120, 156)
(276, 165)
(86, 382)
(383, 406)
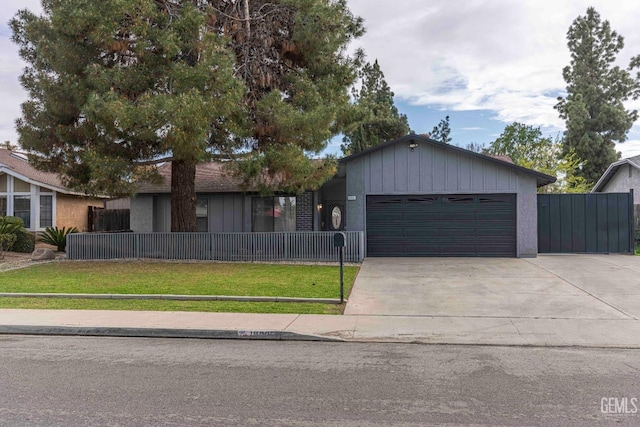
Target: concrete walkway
(623, 333)
(585, 301)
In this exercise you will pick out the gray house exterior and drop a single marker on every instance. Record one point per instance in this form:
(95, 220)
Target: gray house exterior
(412, 197)
(418, 166)
(620, 177)
(223, 205)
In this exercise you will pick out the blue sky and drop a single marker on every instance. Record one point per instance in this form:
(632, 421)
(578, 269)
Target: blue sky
(485, 63)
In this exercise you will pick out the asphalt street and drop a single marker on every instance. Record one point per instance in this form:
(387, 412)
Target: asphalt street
(83, 381)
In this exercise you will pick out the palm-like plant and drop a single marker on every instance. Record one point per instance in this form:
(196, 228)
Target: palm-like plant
(57, 236)
(8, 230)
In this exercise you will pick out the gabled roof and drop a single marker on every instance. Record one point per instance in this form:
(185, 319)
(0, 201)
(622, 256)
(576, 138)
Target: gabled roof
(210, 178)
(16, 164)
(633, 162)
(541, 178)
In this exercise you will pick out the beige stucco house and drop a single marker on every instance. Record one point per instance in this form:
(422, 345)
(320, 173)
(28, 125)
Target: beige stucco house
(40, 198)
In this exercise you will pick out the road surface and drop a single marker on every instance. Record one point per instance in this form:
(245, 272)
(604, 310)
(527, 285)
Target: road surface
(83, 381)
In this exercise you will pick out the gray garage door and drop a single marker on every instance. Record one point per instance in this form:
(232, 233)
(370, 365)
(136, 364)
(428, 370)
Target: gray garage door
(442, 225)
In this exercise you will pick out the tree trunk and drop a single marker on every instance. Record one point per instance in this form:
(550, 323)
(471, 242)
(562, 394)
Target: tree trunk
(183, 196)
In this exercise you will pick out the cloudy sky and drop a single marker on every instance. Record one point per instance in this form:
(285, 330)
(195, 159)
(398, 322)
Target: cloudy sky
(485, 63)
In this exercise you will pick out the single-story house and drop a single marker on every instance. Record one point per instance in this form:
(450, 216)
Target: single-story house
(40, 198)
(620, 177)
(413, 196)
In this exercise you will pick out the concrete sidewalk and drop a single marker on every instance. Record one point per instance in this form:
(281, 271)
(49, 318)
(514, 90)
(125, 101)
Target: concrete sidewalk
(609, 333)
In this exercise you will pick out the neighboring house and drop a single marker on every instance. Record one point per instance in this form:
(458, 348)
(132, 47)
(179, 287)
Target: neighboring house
(412, 196)
(39, 198)
(620, 177)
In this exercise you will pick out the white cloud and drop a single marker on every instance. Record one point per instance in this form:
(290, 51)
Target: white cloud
(629, 148)
(11, 67)
(503, 56)
(498, 55)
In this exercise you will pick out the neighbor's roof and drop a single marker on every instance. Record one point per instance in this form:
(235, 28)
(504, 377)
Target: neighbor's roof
(211, 177)
(16, 164)
(503, 158)
(611, 171)
(541, 178)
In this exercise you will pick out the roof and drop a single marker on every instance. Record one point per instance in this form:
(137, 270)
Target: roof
(16, 164)
(211, 177)
(611, 171)
(541, 178)
(503, 158)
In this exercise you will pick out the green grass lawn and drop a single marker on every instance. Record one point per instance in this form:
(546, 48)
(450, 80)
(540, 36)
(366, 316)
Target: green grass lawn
(146, 277)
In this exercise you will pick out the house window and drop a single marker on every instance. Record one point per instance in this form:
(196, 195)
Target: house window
(202, 215)
(3, 205)
(274, 213)
(3, 183)
(19, 186)
(22, 209)
(46, 211)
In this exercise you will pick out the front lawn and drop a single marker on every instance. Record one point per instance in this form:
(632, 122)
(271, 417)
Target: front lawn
(148, 277)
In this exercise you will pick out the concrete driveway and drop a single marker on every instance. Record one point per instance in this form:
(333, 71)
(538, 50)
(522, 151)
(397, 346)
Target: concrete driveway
(605, 287)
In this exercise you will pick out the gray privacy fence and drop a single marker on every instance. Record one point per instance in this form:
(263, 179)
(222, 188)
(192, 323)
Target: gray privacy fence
(289, 246)
(585, 223)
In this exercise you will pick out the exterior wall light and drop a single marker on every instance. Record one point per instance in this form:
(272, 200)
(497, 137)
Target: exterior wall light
(412, 146)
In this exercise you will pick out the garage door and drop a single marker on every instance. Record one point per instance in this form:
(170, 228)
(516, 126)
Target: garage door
(442, 225)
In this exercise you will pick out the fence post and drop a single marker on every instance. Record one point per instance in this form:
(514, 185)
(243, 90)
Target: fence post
(632, 223)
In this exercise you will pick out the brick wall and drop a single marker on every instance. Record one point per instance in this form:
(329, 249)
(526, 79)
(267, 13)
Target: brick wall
(73, 211)
(304, 212)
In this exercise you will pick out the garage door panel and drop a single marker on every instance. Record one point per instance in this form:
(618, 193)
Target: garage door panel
(441, 225)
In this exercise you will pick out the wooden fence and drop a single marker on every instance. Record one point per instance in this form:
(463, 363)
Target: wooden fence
(101, 219)
(292, 246)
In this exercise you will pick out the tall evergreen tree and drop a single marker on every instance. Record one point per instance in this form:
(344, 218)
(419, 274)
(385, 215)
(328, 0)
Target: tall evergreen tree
(118, 85)
(375, 118)
(441, 131)
(596, 91)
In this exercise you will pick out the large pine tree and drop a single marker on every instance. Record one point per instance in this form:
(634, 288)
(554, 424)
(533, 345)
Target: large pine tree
(375, 118)
(117, 85)
(593, 108)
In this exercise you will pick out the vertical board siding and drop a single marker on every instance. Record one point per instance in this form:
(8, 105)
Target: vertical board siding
(464, 172)
(388, 169)
(294, 246)
(432, 169)
(438, 169)
(585, 223)
(452, 172)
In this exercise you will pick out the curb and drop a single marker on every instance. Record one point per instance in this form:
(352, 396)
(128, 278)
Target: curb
(171, 297)
(163, 333)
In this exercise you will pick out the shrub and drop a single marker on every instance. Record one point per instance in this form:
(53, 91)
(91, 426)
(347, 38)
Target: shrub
(10, 224)
(6, 242)
(9, 229)
(25, 242)
(14, 220)
(57, 237)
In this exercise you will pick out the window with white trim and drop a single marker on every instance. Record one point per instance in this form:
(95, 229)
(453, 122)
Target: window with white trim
(22, 209)
(46, 210)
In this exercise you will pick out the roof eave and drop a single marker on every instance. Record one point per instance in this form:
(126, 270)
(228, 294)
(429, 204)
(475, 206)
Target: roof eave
(610, 172)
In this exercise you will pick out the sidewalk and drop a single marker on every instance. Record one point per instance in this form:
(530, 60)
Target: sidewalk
(607, 333)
